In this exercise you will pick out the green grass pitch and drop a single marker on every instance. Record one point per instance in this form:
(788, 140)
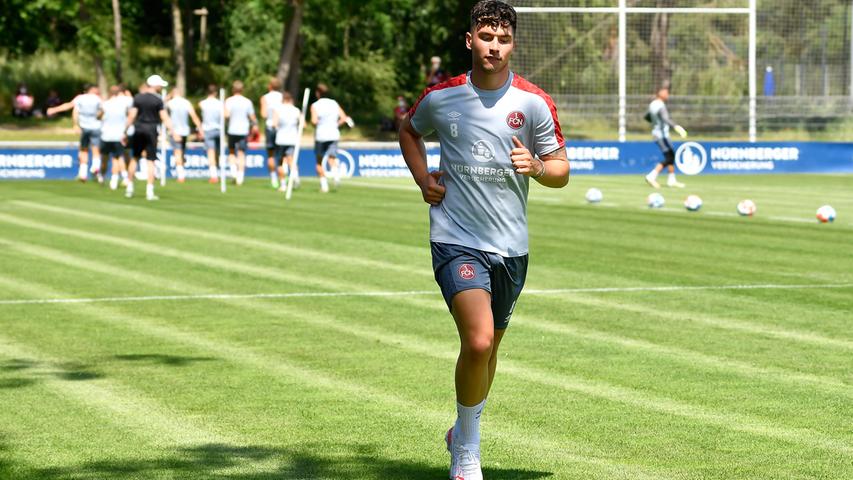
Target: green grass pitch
(238, 337)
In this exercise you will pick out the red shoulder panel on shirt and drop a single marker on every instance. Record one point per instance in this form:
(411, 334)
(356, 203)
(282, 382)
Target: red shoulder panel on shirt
(453, 82)
(520, 83)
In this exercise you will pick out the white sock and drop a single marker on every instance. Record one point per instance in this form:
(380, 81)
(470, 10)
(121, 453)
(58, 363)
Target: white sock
(114, 181)
(129, 187)
(123, 175)
(467, 428)
(82, 172)
(274, 177)
(181, 172)
(671, 178)
(653, 175)
(324, 183)
(240, 177)
(213, 172)
(149, 190)
(96, 164)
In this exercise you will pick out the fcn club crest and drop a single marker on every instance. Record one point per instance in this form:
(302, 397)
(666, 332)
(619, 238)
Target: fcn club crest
(466, 271)
(515, 120)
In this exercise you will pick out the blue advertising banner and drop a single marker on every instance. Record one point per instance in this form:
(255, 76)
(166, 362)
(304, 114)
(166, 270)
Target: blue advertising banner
(385, 159)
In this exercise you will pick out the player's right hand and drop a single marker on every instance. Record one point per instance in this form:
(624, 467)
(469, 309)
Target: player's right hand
(433, 191)
(681, 131)
(77, 129)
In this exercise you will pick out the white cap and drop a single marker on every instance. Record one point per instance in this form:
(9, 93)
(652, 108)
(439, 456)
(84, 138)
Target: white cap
(156, 81)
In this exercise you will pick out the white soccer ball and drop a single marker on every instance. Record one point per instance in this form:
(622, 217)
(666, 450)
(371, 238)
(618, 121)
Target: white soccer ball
(746, 208)
(655, 200)
(693, 203)
(594, 195)
(826, 214)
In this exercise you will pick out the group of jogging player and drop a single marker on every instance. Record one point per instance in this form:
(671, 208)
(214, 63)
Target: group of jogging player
(124, 129)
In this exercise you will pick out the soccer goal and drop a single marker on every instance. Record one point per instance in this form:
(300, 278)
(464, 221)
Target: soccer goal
(602, 61)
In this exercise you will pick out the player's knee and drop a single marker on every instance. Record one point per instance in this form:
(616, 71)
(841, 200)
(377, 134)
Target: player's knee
(479, 346)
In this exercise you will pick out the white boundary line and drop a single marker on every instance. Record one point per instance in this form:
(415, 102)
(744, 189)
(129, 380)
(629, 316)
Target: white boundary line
(234, 296)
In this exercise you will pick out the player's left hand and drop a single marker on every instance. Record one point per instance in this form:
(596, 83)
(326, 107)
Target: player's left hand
(681, 131)
(522, 159)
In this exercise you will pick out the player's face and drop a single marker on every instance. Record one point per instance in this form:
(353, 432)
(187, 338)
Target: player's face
(490, 47)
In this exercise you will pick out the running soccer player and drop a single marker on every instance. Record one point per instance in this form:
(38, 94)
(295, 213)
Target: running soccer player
(114, 120)
(211, 117)
(327, 116)
(242, 121)
(181, 111)
(269, 102)
(146, 115)
(658, 116)
(85, 109)
(285, 121)
(496, 130)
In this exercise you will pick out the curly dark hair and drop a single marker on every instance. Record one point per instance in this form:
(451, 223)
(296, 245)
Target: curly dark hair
(493, 13)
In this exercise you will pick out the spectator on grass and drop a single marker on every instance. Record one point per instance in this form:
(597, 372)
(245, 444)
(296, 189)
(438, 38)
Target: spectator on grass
(23, 102)
(436, 74)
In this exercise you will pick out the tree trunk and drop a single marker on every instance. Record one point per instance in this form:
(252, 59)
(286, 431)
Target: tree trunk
(661, 70)
(289, 43)
(180, 58)
(293, 78)
(99, 74)
(117, 28)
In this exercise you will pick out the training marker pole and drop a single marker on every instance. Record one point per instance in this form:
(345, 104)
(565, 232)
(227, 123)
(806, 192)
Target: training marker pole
(299, 129)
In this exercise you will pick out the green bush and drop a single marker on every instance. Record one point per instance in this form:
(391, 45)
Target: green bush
(65, 72)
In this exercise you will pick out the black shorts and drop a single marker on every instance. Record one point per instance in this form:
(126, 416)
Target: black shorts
(325, 149)
(459, 268)
(269, 136)
(668, 152)
(112, 150)
(238, 143)
(282, 151)
(145, 142)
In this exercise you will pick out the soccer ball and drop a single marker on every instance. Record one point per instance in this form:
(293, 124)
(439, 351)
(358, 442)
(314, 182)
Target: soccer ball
(693, 203)
(655, 200)
(594, 195)
(746, 208)
(826, 214)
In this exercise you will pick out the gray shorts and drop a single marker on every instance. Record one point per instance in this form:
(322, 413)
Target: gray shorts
(90, 137)
(459, 268)
(211, 140)
(282, 151)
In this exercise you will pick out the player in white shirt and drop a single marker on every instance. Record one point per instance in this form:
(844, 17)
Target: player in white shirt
(285, 121)
(85, 110)
(269, 102)
(242, 122)
(181, 111)
(327, 117)
(113, 138)
(497, 131)
(211, 117)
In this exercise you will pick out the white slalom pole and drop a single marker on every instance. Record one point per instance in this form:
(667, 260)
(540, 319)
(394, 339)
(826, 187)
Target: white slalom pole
(164, 139)
(223, 147)
(300, 128)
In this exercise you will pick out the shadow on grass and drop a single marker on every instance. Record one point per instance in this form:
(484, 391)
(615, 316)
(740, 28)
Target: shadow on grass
(229, 462)
(170, 360)
(29, 372)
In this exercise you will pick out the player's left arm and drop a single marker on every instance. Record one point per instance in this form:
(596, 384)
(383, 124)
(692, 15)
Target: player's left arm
(550, 170)
(342, 116)
(195, 119)
(167, 122)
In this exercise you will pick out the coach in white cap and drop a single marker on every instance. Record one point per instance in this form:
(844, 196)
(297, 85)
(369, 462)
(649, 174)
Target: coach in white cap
(145, 115)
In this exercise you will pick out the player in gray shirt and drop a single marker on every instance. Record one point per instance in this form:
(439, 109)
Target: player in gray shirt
(496, 131)
(658, 116)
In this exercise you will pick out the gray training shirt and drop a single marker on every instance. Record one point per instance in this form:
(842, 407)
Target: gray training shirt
(661, 123)
(485, 205)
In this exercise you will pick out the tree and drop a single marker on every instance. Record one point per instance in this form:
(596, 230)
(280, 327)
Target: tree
(178, 50)
(289, 41)
(117, 28)
(661, 70)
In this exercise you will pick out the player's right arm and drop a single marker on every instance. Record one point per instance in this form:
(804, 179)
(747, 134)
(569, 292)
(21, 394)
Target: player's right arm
(61, 108)
(414, 152)
(314, 119)
(664, 115)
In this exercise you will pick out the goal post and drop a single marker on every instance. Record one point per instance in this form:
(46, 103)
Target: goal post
(631, 39)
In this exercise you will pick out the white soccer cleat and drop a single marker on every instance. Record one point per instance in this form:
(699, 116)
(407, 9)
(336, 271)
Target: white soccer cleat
(651, 181)
(100, 179)
(128, 194)
(275, 183)
(324, 185)
(151, 197)
(675, 184)
(464, 462)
